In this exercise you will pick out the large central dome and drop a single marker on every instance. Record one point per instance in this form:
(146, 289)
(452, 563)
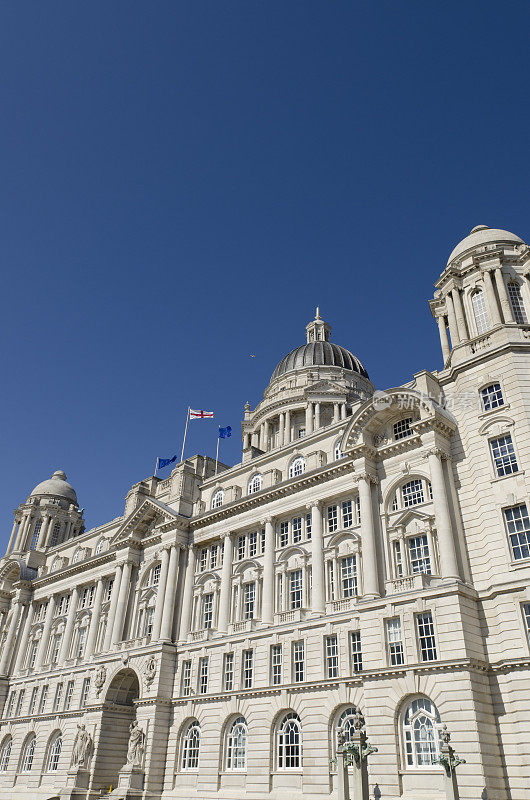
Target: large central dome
(319, 352)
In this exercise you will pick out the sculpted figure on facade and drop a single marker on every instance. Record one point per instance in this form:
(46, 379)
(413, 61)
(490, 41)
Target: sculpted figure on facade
(81, 748)
(136, 748)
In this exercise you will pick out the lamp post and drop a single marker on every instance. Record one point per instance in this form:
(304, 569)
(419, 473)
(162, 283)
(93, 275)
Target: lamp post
(354, 753)
(449, 761)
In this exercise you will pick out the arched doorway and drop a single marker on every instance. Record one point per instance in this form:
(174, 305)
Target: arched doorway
(118, 713)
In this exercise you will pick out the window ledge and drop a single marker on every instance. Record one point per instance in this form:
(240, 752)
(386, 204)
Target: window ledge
(499, 478)
(499, 409)
(521, 562)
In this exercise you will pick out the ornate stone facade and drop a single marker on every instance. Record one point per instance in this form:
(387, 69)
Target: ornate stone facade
(370, 554)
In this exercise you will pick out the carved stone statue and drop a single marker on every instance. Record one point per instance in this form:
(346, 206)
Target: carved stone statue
(99, 680)
(150, 669)
(81, 748)
(136, 748)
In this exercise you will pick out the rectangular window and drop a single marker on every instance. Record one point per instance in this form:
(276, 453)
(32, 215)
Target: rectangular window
(331, 580)
(426, 638)
(69, 695)
(355, 651)
(203, 675)
(298, 662)
(518, 529)
(357, 510)
(517, 304)
(58, 696)
(402, 428)
(491, 397)
(348, 572)
(33, 700)
(419, 555)
(283, 538)
(297, 529)
(253, 544)
(207, 611)
(19, 702)
(186, 678)
(248, 668)
(213, 556)
(347, 513)
(81, 643)
(203, 559)
(108, 593)
(503, 455)
(156, 575)
(276, 664)
(333, 519)
(87, 597)
(398, 559)
(332, 657)
(308, 526)
(63, 605)
(33, 654)
(249, 597)
(394, 641)
(295, 589)
(525, 608)
(10, 704)
(262, 542)
(85, 692)
(56, 646)
(229, 672)
(412, 493)
(43, 698)
(241, 548)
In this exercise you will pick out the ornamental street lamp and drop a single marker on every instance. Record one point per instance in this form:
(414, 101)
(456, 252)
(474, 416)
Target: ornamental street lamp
(354, 752)
(449, 761)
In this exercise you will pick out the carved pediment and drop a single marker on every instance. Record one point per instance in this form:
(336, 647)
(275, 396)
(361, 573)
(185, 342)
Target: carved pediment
(412, 520)
(141, 522)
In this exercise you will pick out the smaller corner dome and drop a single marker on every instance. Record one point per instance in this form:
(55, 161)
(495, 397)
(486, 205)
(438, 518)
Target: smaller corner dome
(481, 235)
(56, 486)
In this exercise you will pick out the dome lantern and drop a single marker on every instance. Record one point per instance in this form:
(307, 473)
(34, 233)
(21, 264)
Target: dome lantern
(318, 330)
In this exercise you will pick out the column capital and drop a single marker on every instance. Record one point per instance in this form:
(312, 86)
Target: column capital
(367, 476)
(315, 504)
(269, 519)
(442, 454)
(227, 535)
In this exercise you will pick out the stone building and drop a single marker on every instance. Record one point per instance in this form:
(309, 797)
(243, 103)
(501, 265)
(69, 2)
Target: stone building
(370, 551)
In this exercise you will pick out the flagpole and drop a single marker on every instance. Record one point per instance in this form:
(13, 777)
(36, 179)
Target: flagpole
(185, 432)
(156, 466)
(217, 453)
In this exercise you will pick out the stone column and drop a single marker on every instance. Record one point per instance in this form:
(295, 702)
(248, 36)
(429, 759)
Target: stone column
(68, 529)
(369, 555)
(336, 414)
(226, 584)
(246, 441)
(493, 307)
(309, 418)
(69, 628)
(10, 639)
(261, 432)
(43, 531)
(45, 638)
(287, 431)
(112, 608)
(187, 599)
(23, 645)
(460, 316)
(166, 627)
(453, 329)
(267, 613)
(121, 606)
(503, 296)
(317, 416)
(21, 531)
(318, 600)
(446, 542)
(281, 431)
(343, 411)
(159, 606)
(94, 619)
(12, 537)
(444, 341)
(266, 435)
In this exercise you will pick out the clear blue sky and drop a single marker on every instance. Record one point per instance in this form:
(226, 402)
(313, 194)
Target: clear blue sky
(183, 182)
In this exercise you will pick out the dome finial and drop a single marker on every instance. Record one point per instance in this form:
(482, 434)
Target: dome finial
(317, 315)
(318, 330)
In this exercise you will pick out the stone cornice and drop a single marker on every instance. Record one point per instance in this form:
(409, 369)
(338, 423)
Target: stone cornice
(283, 489)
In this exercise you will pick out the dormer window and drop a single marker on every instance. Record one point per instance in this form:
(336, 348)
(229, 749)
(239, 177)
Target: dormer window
(412, 493)
(480, 312)
(297, 467)
(217, 499)
(402, 428)
(255, 483)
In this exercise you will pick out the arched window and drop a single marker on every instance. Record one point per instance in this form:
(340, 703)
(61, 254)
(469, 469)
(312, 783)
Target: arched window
(345, 723)
(412, 493)
(480, 311)
(54, 753)
(297, 467)
(337, 452)
(100, 546)
(289, 746)
(5, 752)
(190, 747)
(517, 304)
(56, 563)
(77, 555)
(236, 745)
(255, 483)
(421, 733)
(27, 754)
(218, 497)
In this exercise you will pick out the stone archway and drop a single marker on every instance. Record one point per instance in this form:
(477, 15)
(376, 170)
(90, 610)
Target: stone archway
(118, 713)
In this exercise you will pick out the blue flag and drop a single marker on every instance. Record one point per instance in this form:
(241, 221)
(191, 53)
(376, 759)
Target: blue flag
(163, 462)
(225, 433)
